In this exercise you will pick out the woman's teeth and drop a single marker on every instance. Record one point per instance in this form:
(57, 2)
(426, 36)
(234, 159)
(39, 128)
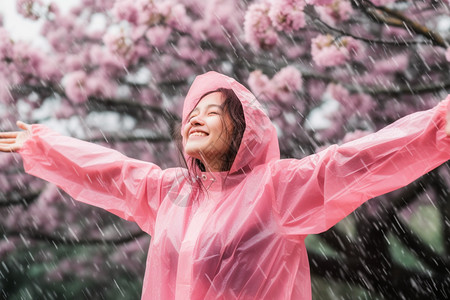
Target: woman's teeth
(198, 134)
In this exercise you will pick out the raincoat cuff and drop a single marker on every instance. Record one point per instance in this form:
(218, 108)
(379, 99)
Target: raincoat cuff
(37, 131)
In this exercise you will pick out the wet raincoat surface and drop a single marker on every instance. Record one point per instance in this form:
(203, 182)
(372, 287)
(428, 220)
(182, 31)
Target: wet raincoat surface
(243, 237)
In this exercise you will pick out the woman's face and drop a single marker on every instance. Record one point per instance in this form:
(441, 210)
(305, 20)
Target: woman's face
(206, 135)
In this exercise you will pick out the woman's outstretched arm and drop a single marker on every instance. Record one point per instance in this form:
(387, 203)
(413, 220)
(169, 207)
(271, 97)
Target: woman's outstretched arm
(314, 193)
(90, 173)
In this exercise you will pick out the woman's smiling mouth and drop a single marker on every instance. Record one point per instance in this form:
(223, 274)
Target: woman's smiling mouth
(197, 133)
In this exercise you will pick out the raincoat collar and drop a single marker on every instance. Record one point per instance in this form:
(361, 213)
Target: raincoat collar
(259, 143)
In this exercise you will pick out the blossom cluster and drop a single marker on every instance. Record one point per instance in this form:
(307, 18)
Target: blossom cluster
(264, 20)
(259, 31)
(335, 12)
(281, 88)
(287, 15)
(328, 51)
(30, 9)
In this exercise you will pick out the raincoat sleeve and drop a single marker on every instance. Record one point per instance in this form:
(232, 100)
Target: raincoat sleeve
(313, 194)
(95, 175)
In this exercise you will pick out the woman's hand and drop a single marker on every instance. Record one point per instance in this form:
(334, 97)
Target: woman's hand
(13, 141)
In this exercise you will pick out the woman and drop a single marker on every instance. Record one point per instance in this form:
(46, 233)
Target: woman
(234, 228)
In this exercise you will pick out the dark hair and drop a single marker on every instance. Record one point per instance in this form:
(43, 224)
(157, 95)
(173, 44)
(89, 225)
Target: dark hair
(231, 107)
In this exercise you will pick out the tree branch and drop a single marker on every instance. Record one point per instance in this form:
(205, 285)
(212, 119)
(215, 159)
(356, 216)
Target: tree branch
(367, 40)
(391, 17)
(15, 199)
(377, 90)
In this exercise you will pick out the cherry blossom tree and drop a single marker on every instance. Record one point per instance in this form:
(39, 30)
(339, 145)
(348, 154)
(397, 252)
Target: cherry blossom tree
(327, 71)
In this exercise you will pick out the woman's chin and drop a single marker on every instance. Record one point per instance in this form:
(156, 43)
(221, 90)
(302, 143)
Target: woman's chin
(193, 151)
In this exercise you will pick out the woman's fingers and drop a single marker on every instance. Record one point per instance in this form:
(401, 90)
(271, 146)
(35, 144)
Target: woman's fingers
(23, 125)
(8, 147)
(7, 141)
(12, 141)
(9, 134)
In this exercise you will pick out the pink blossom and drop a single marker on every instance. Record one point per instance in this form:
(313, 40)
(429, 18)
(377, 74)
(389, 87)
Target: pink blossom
(338, 11)
(288, 80)
(119, 43)
(287, 15)
(5, 95)
(327, 52)
(54, 9)
(6, 45)
(168, 12)
(148, 12)
(285, 84)
(158, 35)
(397, 63)
(315, 88)
(190, 51)
(222, 21)
(102, 57)
(175, 15)
(75, 86)
(338, 92)
(74, 62)
(6, 247)
(258, 82)
(281, 87)
(447, 54)
(126, 10)
(352, 103)
(319, 2)
(50, 69)
(31, 9)
(98, 5)
(362, 104)
(27, 58)
(100, 86)
(258, 28)
(64, 111)
(432, 55)
(354, 47)
(382, 2)
(396, 32)
(295, 51)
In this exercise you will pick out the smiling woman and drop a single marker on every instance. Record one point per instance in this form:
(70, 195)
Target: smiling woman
(206, 135)
(213, 131)
(243, 236)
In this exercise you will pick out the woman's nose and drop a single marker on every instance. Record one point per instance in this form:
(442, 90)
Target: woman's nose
(197, 120)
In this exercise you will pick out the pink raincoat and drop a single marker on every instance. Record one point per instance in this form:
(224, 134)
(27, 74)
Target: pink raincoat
(244, 237)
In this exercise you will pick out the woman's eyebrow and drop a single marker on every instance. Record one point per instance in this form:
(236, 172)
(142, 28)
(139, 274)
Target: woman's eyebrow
(207, 107)
(214, 105)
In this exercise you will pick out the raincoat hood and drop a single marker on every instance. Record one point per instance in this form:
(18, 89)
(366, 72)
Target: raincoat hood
(259, 143)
